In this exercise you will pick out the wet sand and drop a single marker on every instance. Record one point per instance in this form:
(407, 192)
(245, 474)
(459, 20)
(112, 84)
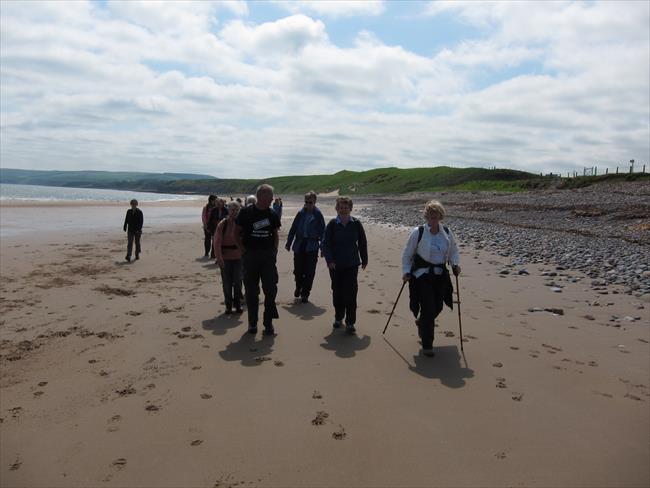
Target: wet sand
(117, 374)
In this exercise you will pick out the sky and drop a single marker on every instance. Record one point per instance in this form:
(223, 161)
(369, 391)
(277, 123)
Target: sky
(254, 89)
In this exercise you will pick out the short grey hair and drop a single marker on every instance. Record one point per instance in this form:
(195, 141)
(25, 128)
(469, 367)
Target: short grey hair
(264, 188)
(234, 204)
(311, 195)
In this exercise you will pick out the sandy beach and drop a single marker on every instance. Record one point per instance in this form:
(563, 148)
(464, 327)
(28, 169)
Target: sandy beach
(129, 375)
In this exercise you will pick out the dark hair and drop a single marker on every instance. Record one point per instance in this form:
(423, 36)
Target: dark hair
(212, 198)
(134, 202)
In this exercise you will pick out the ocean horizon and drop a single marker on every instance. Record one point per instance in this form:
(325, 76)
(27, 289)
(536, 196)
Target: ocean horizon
(40, 193)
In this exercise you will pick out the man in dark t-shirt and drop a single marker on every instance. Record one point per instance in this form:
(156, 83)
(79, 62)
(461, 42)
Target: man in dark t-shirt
(258, 234)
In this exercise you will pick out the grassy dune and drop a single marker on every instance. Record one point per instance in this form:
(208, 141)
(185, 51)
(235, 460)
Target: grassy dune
(376, 181)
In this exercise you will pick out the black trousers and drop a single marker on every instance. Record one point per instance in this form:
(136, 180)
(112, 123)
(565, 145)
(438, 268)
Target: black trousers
(207, 243)
(133, 236)
(304, 270)
(344, 293)
(231, 281)
(428, 289)
(259, 265)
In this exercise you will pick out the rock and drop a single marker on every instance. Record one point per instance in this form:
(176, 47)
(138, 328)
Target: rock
(523, 272)
(555, 289)
(504, 272)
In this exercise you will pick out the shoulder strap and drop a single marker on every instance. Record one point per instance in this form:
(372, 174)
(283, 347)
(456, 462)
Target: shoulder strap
(420, 232)
(225, 226)
(446, 230)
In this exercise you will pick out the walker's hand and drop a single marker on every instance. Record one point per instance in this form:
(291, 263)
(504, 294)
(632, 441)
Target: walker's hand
(363, 266)
(406, 277)
(455, 270)
(287, 247)
(220, 263)
(331, 265)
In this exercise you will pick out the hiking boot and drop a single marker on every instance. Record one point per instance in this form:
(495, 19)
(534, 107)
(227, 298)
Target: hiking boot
(228, 311)
(137, 256)
(128, 258)
(296, 292)
(428, 352)
(350, 330)
(337, 324)
(238, 310)
(268, 330)
(304, 299)
(252, 329)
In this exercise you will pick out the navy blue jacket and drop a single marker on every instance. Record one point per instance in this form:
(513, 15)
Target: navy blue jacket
(315, 231)
(346, 246)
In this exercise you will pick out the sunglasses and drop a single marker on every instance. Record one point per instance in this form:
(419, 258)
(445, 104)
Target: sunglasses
(309, 202)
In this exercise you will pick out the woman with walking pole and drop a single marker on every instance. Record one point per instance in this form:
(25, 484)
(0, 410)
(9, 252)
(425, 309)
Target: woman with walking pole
(424, 264)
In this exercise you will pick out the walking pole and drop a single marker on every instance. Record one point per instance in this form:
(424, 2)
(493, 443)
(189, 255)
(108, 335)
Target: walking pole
(395, 305)
(460, 324)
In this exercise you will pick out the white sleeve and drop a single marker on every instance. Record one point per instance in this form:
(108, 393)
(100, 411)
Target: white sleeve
(409, 251)
(454, 258)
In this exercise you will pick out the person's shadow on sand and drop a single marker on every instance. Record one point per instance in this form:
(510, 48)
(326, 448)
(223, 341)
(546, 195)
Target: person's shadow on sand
(344, 345)
(305, 311)
(246, 349)
(445, 366)
(221, 323)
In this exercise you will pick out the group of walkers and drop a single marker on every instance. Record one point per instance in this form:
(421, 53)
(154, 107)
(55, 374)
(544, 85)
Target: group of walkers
(246, 243)
(243, 239)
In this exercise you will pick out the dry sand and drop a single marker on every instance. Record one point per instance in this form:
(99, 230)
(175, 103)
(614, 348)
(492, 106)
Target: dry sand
(117, 374)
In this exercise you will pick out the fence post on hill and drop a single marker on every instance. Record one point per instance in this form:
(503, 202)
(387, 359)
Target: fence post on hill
(643, 168)
(616, 169)
(631, 166)
(595, 170)
(606, 170)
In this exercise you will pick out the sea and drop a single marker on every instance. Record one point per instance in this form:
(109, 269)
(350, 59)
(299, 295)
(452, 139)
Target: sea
(87, 216)
(9, 192)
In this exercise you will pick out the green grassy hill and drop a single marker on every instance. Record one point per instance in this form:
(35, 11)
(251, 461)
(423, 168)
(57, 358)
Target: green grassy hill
(376, 181)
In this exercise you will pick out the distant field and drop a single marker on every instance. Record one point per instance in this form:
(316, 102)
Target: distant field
(376, 181)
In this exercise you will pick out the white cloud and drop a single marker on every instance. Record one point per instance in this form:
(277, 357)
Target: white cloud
(174, 87)
(334, 8)
(280, 38)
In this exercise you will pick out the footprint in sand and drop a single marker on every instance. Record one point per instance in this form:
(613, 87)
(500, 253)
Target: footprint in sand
(320, 418)
(206, 396)
(501, 383)
(316, 395)
(449, 333)
(497, 365)
(514, 348)
(16, 465)
(119, 463)
(373, 310)
(606, 395)
(38, 393)
(196, 442)
(633, 397)
(129, 390)
(517, 396)
(340, 434)
(278, 363)
(42, 383)
(500, 455)
(152, 408)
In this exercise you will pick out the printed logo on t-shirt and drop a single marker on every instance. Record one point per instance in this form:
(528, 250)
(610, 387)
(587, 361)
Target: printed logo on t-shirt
(261, 223)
